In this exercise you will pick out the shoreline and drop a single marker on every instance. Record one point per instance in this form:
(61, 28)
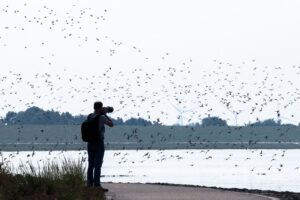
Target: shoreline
(285, 195)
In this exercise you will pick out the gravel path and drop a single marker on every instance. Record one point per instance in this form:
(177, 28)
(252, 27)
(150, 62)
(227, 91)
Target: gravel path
(121, 191)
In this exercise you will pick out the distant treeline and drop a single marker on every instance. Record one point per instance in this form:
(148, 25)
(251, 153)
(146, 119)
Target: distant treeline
(37, 116)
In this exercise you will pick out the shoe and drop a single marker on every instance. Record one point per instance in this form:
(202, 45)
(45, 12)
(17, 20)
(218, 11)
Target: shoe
(104, 189)
(101, 188)
(89, 185)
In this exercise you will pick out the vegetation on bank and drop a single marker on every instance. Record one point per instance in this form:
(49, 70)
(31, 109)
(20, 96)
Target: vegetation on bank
(52, 181)
(37, 116)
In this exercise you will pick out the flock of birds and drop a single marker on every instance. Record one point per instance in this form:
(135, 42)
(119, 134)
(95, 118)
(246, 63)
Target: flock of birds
(245, 87)
(224, 89)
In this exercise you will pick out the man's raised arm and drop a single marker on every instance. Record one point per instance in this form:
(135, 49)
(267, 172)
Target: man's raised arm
(108, 121)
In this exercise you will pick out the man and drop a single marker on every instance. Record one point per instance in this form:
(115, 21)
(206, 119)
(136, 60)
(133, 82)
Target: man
(96, 148)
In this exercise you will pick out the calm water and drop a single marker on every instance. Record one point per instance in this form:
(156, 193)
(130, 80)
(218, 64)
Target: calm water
(252, 169)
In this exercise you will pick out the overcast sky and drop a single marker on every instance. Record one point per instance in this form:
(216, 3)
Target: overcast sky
(148, 57)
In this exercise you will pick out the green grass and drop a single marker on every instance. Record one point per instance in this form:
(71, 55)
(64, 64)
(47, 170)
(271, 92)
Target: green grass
(52, 181)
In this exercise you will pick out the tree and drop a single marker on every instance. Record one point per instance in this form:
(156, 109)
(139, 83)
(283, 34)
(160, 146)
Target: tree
(267, 122)
(118, 121)
(35, 115)
(213, 121)
(10, 117)
(137, 121)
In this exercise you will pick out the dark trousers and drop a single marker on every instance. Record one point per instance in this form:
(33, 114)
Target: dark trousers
(95, 158)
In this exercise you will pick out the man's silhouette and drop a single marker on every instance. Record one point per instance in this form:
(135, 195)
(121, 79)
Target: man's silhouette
(96, 148)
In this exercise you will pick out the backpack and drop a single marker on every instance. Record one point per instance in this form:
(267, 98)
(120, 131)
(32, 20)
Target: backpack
(90, 129)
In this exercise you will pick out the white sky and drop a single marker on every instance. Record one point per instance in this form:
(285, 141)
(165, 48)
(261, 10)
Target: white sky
(213, 42)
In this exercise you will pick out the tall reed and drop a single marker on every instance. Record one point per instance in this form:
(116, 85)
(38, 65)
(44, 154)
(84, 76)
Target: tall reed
(53, 180)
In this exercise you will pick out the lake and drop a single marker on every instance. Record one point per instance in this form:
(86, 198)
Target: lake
(68, 137)
(264, 169)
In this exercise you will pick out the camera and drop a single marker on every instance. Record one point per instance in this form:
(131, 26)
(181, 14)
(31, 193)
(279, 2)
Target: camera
(108, 109)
